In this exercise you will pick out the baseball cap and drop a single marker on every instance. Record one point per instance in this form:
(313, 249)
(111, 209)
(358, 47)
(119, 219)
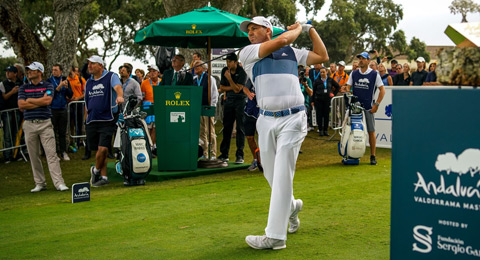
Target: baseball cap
(364, 54)
(36, 66)
(231, 56)
(420, 59)
(153, 67)
(96, 59)
(260, 20)
(11, 69)
(341, 63)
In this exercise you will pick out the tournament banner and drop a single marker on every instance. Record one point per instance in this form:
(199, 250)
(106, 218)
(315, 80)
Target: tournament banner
(383, 120)
(435, 210)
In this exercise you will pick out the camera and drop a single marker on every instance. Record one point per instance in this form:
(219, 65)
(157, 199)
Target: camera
(302, 76)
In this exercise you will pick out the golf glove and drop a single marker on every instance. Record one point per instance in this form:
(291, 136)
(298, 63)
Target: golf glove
(306, 27)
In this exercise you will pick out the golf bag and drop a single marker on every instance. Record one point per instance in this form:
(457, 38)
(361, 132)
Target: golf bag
(354, 133)
(134, 161)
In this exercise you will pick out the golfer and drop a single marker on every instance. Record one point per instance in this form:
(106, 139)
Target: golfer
(271, 64)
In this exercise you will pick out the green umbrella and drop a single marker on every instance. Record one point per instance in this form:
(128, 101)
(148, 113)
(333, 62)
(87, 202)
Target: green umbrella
(194, 29)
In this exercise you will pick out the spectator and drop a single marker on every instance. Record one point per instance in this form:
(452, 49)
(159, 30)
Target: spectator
(140, 75)
(21, 74)
(333, 69)
(432, 75)
(306, 87)
(373, 65)
(354, 65)
(8, 100)
(77, 83)
(420, 75)
(62, 91)
(175, 76)
(386, 79)
(34, 100)
(232, 82)
(359, 80)
(403, 75)
(130, 87)
(341, 77)
(250, 124)
(196, 56)
(315, 73)
(393, 68)
(206, 123)
(103, 95)
(324, 88)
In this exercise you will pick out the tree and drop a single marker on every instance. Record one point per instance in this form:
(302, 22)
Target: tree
(28, 45)
(417, 49)
(463, 7)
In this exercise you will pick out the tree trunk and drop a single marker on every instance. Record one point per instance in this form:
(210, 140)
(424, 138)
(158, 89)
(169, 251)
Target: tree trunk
(26, 45)
(64, 45)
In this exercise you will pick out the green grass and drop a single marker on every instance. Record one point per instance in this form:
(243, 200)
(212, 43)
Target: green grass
(346, 213)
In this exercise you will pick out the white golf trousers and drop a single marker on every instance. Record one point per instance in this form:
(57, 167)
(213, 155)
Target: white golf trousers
(280, 139)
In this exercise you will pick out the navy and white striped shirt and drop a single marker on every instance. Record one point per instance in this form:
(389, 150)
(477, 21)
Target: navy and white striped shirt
(36, 91)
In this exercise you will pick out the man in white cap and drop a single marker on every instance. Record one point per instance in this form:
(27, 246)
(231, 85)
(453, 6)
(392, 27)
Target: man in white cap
(271, 64)
(34, 100)
(420, 75)
(103, 94)
(340, 76)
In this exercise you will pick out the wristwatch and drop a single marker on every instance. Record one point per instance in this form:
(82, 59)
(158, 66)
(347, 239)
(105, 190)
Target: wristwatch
(376, 104)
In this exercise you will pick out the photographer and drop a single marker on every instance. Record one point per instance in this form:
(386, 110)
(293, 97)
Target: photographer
(324, 88)
(306, 87)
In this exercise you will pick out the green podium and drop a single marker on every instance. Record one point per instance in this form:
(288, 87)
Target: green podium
(177, 122)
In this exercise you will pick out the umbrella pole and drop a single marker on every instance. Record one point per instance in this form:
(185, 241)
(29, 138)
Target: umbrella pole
(209, 69)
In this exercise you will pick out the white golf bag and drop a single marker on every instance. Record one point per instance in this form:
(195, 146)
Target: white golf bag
(354, 132)
(134, 160)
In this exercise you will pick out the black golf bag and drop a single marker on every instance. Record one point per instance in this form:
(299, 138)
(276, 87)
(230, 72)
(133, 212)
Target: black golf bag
(134, 161)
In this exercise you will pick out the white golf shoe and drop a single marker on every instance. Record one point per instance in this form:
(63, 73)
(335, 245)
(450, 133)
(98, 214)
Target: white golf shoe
(294, 221)
(62, 187)
(264, 242)
(38, 188)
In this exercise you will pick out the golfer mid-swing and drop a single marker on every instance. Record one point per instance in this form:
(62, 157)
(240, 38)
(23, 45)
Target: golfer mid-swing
(271, 64)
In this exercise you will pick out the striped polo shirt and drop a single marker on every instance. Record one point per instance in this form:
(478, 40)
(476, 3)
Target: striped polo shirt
(275, 77)
(36, 91)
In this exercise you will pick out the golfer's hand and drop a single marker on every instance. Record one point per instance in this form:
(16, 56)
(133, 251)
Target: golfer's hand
(120, 100)
(295, 26)
(374, 109)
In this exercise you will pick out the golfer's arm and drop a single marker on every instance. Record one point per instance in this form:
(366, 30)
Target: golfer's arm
(22, 104)
(284, 39)
(319, 53)
(40, 102)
